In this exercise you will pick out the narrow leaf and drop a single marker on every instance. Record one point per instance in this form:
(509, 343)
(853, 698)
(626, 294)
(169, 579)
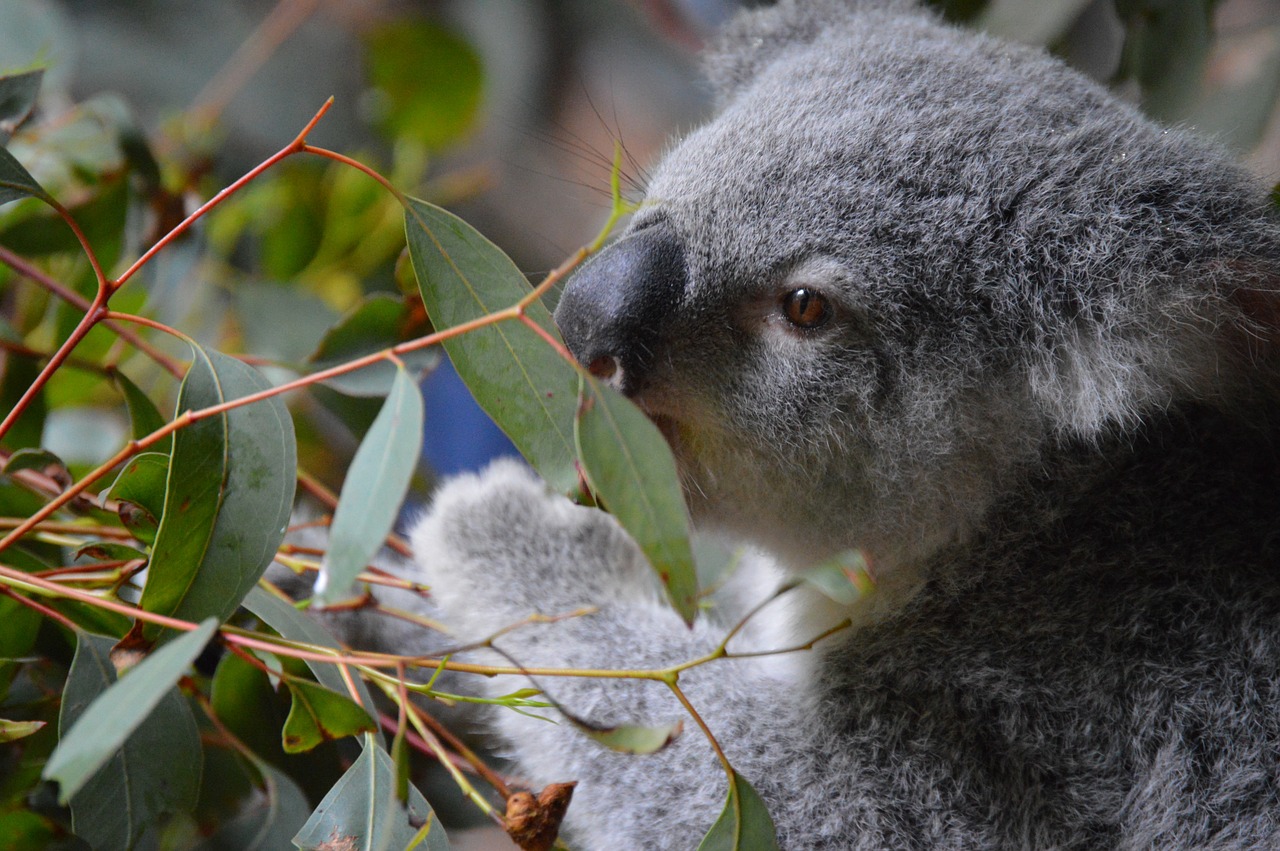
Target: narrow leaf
(10, 730)
(267, 822)
(16, 183)
(844, 577)
(629, 466)
(374, 489)
(108, 551)
(360, 813)
(140, 489)
(635, 739)
(228, 497)
(144, 417)
(519, 381)
(19, 373)
(319, 715)
(42, 461)
(295, 626)
(98, 732)
(17, 98)
(744, 824)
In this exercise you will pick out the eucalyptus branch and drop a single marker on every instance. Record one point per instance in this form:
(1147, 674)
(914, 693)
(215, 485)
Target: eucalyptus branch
(396, 693)
(37, 355)
(70, 296)
(96, 310)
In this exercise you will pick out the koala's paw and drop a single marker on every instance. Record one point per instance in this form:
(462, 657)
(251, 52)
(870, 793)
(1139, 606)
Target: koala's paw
(497, 546)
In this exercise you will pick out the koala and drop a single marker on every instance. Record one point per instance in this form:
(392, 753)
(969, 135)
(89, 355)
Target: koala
(923, 293)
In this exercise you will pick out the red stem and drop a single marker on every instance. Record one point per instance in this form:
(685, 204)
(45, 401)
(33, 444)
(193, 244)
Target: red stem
(298, 143)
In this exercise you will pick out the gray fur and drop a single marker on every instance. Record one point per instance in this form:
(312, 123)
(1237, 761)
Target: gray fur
(1042, 406)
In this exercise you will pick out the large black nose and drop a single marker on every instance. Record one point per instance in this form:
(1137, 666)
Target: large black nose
(614, 310)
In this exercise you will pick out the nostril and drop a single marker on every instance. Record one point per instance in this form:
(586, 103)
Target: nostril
(603, 367)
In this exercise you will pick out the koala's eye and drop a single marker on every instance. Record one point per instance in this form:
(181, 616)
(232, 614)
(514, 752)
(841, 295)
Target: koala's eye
(805, 308)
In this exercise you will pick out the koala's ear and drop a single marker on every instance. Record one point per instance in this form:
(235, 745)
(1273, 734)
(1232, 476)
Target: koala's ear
(1220, 349)
(755, 38)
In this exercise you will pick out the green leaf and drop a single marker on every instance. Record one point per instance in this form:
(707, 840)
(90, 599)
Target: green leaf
(42, 461)
(844, 577)
(519, 381)
(17, 98)
(143, 414)
(109, 551)
(635, 739)
(295, 626)
(19, 374)
(140, 488)
(361, 812)
(378, 322)
(10, 730)
(99, 716)
(374, 489)
(428, 81)
(319, 715)
(630, 468)
(228, 496)
(16, 183)
(267, 822)
(744, 824)
(102, 219)
(18, 625)
(1165, 49)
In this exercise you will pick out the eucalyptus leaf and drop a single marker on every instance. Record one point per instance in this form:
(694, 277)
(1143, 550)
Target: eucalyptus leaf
(744, 824)
(374, 489)
(519, 381)
(269, 820)
(19, 374)
(635, 739)
(16, 182)
(228, 497)
(144, 417)
(844, 578)
(319, 715)
(17, 99)
(295, 626)
(361, 813)
(42, 461)
(108, 551)
(11, 730)
(1165, 49)
(140, 488)
(630, 468)
(99, 715)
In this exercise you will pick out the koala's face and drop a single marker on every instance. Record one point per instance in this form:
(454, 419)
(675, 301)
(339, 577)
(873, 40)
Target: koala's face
(866, 294)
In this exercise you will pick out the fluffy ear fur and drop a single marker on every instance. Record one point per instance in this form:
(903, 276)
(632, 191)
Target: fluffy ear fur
(1207, 337)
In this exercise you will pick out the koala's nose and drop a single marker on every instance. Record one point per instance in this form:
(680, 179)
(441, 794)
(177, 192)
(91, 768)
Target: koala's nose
(613, 310)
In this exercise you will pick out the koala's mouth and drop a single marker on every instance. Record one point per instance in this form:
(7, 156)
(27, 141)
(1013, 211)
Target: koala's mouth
(669, 427)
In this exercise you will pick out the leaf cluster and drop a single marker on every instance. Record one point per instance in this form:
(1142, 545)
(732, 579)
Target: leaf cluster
(164, 399)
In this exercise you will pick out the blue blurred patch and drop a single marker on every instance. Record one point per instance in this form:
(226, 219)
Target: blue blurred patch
(458, 436)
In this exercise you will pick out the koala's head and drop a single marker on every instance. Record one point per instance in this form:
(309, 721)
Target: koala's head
(903, 261)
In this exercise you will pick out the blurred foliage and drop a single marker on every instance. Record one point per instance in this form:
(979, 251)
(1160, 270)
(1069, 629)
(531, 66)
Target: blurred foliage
(303, 269)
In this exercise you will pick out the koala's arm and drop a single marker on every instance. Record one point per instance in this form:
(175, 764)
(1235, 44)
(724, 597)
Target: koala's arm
(498, 547)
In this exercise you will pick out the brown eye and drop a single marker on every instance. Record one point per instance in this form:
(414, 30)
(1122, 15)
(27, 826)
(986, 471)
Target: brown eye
(805, 308)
